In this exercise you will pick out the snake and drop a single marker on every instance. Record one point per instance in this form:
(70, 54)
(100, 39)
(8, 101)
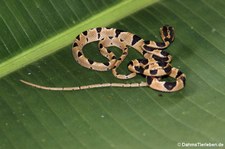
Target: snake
(154, 66)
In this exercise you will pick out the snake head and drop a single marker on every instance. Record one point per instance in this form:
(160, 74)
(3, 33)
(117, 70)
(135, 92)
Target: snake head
(167, 33)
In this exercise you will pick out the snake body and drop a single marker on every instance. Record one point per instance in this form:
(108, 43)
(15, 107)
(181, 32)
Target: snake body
(154, 66)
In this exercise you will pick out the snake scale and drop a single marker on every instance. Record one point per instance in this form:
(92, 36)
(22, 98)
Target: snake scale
(155, 64)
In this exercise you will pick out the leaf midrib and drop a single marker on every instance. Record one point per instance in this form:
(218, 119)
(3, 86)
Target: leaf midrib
(64, 38)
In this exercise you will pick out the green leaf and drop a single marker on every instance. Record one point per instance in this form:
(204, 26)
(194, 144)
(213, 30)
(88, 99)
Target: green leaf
(35, 43)
(62, 38)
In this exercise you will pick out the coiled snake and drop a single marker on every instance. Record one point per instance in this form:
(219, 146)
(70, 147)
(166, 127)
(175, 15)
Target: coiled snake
(154, 66)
